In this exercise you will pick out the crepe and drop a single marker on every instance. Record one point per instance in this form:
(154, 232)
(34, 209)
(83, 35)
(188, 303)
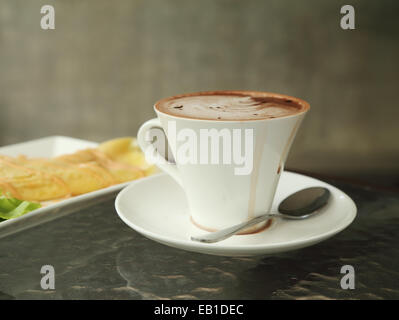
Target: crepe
(41, 179)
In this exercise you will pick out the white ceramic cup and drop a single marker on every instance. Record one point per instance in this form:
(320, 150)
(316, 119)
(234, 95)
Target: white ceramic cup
(217, 196)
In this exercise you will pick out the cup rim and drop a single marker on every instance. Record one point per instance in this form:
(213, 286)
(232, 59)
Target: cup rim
(305, 106)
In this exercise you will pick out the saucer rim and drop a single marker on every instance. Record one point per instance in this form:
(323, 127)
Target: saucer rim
(351, 215)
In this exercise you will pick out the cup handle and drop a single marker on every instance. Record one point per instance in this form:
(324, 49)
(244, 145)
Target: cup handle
(145, 144)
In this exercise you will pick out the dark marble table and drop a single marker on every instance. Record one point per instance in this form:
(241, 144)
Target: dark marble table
(96, 256)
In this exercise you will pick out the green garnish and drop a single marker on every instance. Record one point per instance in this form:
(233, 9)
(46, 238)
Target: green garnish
(11, 207)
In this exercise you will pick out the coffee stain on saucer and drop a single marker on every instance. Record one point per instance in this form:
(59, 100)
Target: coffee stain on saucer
(252, 230)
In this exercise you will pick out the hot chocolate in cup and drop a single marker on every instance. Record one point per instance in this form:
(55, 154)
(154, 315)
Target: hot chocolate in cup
(229, 148)
(231, 106)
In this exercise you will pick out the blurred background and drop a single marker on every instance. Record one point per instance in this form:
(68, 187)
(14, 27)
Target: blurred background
(97, 75)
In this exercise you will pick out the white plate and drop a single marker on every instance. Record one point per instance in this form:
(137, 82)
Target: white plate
(51, 147)
(156, 207)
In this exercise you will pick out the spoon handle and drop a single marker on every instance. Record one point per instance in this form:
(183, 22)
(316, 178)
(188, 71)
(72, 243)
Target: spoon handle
(228, 232)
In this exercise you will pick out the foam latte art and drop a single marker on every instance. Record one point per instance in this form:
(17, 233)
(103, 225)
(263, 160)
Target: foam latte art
(231, 105)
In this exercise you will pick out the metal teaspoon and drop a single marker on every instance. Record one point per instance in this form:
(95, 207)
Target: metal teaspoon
(299, 205)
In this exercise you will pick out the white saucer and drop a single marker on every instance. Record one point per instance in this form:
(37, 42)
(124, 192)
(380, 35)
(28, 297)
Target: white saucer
(156, 207)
